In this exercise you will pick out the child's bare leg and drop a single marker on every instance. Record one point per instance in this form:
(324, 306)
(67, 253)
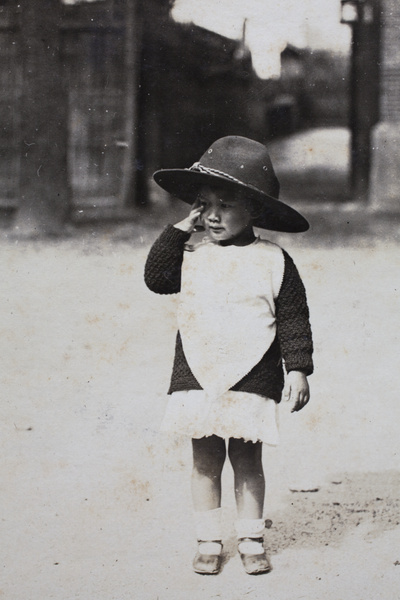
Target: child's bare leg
(246, 460)
(209, 455)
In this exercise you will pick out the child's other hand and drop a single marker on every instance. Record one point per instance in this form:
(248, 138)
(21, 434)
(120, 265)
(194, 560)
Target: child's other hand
(189, 223)
(296, 390)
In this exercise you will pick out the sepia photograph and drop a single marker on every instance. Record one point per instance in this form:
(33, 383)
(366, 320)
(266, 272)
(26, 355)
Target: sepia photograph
(200, 238)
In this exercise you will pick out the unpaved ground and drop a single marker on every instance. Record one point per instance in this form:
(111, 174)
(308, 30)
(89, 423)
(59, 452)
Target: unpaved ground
(95, 504)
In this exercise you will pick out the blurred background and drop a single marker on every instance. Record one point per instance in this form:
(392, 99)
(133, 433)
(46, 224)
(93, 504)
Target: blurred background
(97, 94)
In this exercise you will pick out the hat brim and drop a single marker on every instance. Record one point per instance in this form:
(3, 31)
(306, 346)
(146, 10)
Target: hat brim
(276, 215)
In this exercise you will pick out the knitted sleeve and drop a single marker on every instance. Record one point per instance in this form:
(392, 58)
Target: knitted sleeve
(162, 273)
(292, 318)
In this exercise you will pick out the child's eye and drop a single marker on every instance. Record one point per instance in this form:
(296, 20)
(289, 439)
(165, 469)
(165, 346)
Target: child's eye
(225, 205)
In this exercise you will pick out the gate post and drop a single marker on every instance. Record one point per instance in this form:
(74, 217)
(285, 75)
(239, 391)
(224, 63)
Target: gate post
(385, 174)
(44, 188)
(365, 19)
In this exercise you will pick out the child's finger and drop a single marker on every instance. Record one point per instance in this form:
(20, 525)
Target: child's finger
(197, 204)
(297, 400)
(195, 213)
(287, 392)
(300, 403)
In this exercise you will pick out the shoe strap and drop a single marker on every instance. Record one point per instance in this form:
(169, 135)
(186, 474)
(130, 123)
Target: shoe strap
(259, 540)
(210, 542)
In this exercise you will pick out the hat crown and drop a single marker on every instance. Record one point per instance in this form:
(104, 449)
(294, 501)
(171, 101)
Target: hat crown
(245, 160)
(239, 164)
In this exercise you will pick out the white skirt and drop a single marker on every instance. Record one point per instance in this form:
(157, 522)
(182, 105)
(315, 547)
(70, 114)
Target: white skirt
(234, 414)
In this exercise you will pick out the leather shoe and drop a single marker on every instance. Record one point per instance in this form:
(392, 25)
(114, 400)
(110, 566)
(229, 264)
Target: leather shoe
(207, 564)
(255, 564)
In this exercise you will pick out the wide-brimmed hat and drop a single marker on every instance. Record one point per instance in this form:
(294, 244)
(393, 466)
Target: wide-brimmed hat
(237, 163)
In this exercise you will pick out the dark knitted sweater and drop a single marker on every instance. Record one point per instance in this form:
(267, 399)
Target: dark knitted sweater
(293, 341)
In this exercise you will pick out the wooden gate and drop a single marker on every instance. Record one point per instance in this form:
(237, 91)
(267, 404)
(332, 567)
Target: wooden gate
(97, 57)
(10, 93)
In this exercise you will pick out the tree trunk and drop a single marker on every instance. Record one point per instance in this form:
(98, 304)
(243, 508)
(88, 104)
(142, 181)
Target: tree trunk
(44, 188)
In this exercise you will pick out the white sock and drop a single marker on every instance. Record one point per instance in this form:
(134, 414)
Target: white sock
(208, 526)
(209, 548)
(250, 528)
(253, 547)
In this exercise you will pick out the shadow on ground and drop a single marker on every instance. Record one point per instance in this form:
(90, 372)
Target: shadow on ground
(325, 516)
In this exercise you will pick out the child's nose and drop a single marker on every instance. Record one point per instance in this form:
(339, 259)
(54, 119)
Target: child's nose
(213, 214)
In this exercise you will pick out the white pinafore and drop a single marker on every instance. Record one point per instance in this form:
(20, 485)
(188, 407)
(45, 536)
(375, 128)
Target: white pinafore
(226, 318)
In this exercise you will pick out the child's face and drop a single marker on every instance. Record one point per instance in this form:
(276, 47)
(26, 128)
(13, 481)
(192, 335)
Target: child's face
(225, 215)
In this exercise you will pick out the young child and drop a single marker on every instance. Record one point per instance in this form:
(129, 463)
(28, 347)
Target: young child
(242, 314)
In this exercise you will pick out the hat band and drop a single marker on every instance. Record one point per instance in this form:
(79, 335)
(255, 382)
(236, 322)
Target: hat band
(209, 171)
(199, 167)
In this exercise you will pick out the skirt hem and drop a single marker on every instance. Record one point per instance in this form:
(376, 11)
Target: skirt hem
(233, 415)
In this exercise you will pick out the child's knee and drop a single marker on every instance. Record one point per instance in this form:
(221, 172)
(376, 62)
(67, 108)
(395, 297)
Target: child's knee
(209, 455)
(244, 455)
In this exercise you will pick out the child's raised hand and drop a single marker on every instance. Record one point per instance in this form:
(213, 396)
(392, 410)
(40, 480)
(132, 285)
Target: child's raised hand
(296, 390)
(188, 224)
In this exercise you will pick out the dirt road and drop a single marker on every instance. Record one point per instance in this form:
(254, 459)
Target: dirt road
(95, 503)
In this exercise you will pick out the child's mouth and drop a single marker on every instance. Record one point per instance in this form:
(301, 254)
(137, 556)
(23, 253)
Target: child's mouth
(216, 229)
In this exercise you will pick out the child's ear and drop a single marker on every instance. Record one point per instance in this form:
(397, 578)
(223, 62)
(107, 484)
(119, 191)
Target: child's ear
(255, 209)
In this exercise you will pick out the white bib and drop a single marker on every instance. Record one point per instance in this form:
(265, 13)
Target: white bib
(226, 313)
